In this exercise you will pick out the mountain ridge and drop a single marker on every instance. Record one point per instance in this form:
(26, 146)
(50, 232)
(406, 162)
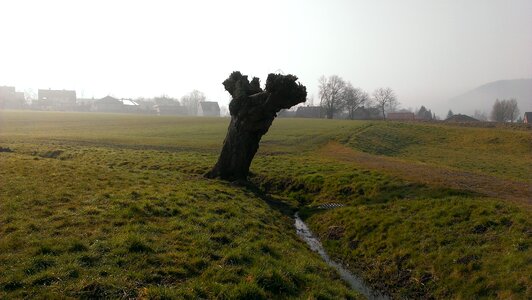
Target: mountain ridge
(482, 97)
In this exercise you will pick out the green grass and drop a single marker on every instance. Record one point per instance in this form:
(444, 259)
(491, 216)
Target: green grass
(106, 206)
(314, 181)
(500, 152)
(409, 239)
(99, 222)
(437, 247)
(110, 205)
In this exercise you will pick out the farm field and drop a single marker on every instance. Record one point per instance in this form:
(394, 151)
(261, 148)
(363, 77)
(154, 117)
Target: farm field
(115, 205)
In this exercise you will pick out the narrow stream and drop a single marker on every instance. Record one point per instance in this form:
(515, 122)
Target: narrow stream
(354, 281)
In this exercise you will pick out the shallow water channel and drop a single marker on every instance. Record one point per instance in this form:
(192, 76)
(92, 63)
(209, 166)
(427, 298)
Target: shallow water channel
(354, 281)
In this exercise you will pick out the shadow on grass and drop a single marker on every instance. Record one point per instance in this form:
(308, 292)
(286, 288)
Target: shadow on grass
(307, 212)
(283, 206)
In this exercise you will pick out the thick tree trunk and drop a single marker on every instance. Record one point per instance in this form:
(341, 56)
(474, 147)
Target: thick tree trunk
(252, 113)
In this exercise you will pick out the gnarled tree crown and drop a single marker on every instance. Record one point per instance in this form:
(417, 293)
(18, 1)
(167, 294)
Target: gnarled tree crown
(282, 92)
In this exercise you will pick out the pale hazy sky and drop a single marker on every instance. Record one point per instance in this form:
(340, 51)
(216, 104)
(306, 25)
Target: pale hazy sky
(427, 51)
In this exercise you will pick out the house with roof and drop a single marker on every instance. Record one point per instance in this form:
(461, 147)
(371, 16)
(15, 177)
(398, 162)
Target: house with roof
(63, 100)
(528, 118)
(459, 118)
(112, 104)
(107, 104)
(402, 116)
(130, 106)
(208, 109)
(7, 92)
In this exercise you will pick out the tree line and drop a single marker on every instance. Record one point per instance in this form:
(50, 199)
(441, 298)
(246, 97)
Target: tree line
(505, 110)
(190, 101)
(340, 96)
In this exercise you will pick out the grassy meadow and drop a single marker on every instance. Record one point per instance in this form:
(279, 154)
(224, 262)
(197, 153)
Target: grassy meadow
(115, 206)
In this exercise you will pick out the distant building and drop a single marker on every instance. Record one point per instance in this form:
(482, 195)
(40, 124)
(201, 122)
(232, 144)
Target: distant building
(84, 104)
(107, 104)
(370, 113)
(528, 118)
(111, 104)
(170, 110)
(7, 92)
(285, 113)
(11, 99)
(406, 116)
(57, 100)
(310, 112)
(340, 115)
(208, 109)
(85, 101)
(460, 118)
(130, 106)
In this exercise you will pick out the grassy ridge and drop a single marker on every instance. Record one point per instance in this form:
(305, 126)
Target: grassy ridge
(137, 176)
(501, 152)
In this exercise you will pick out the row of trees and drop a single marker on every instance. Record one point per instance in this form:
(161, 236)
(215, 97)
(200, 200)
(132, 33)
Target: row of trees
(505, 110)
(337, 95)
(425, 114)
(190, 101)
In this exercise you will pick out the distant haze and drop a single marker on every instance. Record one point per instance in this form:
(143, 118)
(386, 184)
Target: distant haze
(427, 51)
(483, 97)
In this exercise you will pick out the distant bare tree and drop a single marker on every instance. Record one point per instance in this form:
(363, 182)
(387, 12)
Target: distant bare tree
(480, 115)
(165, 100)
(353, 99)
(385, 98)
(191, 101)
(30, 94)
(505, 110)
(224, 111)
(512, 110)
(331, 94)
(497, 112)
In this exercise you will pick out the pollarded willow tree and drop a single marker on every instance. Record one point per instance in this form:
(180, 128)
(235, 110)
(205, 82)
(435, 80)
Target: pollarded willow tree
(252, 113)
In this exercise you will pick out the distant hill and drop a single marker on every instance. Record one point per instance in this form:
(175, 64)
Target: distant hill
(483, 97)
